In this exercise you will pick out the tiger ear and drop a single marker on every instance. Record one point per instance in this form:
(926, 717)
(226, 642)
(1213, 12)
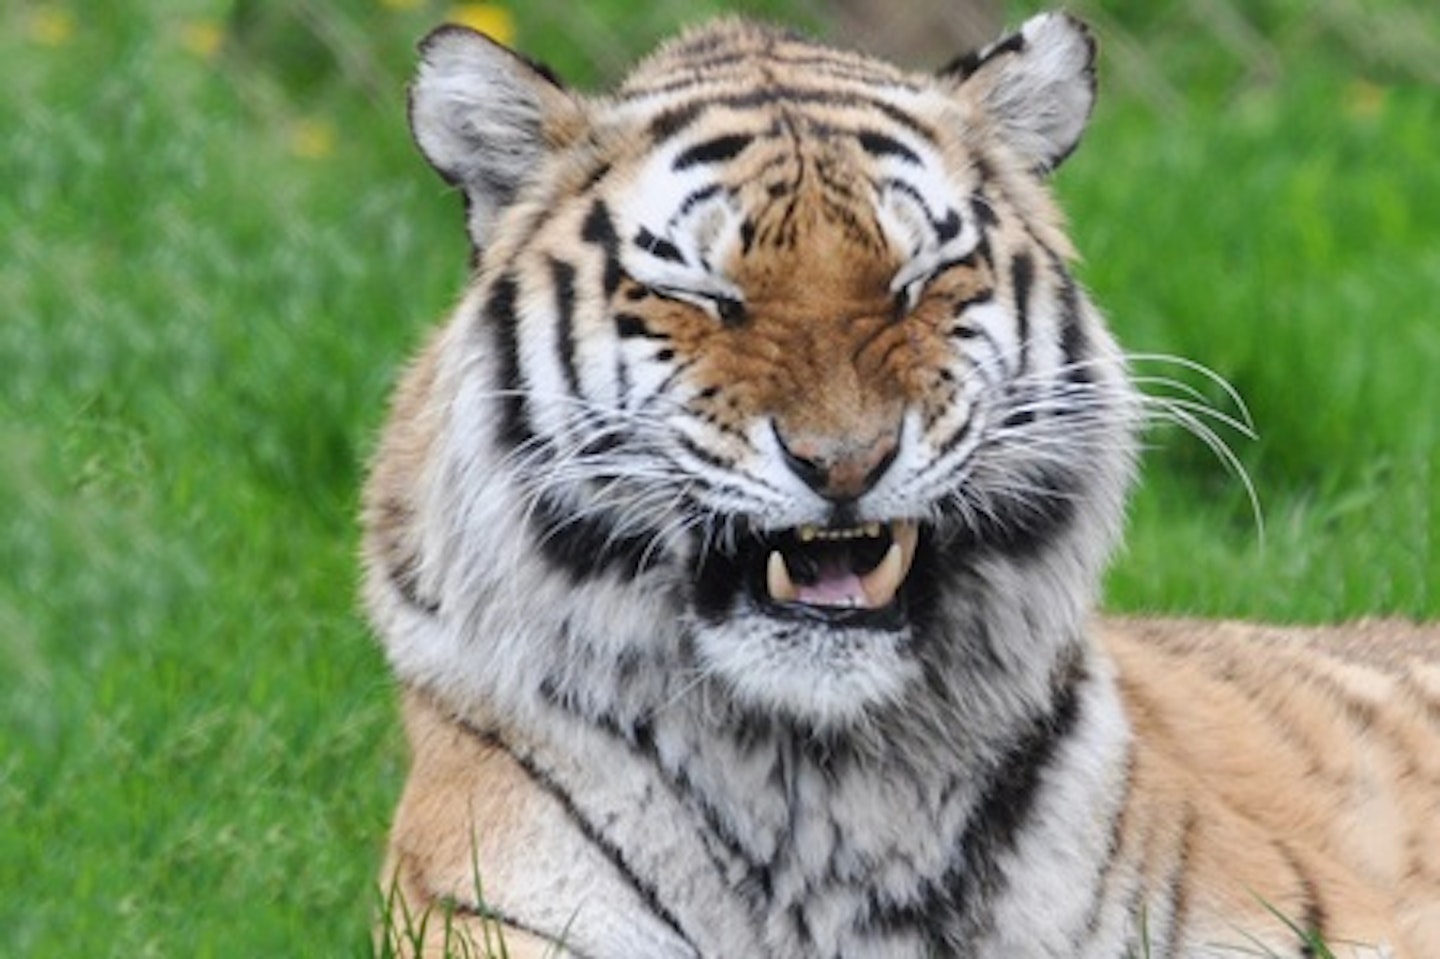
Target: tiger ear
(485, 117)
(1037, 86)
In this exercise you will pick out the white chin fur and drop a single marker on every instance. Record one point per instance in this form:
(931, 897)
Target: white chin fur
(812, 673)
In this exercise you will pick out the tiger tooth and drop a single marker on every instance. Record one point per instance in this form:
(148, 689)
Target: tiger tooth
(807, 534)
(777, 579)
(905, 535)
(872, 530)
(883, 582)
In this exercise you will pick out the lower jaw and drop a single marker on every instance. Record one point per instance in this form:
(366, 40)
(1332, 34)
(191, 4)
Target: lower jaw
(807, 668)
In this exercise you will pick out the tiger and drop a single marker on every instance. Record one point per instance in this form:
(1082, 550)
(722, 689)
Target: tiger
(737, 546)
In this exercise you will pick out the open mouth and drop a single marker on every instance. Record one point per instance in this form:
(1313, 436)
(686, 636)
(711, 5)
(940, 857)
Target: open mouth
(847, 575)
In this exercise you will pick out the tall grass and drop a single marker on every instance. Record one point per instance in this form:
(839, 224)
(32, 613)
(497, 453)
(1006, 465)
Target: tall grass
(216, 246)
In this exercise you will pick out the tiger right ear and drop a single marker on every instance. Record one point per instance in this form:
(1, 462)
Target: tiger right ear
(1037, 86)
(485, 117)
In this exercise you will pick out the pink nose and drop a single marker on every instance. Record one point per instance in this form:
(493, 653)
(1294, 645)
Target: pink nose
(839, 468)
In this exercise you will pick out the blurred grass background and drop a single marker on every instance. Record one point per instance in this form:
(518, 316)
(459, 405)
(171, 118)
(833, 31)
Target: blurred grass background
(217, 245)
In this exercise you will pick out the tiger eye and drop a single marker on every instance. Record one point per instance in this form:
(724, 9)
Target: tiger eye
(899, 307)
(731, 311)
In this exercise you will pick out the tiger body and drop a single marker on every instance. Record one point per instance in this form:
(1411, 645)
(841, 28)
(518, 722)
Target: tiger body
(737, 540)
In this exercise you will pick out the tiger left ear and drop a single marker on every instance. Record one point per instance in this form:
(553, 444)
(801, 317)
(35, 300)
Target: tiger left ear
(1037, 86)
(485, 118)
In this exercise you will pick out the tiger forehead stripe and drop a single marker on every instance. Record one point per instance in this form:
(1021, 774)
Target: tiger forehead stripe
(726, 147)
(879, 145)
(672, 122)
(721, 58)
(716, 150)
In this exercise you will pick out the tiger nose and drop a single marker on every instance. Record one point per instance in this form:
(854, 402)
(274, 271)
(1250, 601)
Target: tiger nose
(839, 468)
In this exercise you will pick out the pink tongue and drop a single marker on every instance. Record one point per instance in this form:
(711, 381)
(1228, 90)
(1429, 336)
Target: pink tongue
(835, 586)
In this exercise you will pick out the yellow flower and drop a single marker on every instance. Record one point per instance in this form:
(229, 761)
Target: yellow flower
(312, 139)
(1364, 100)
(491, 19)
(50, 26)
(202, 38)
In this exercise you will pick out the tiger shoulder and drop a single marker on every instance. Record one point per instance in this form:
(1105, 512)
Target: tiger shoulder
(736, 544)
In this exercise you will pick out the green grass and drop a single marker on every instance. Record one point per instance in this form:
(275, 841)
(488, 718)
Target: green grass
(211, 266)
(1291, 242)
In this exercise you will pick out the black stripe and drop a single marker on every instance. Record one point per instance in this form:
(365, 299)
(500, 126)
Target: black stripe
(747, 236)
(983, 211)
(718, 150)
(954, 440)
(719, 578)
(955, 911)
(1011, 795)
(1022, 276)
(677, 371)
(562, 277)
(825, 62)
(672, 122)
(515, 428)
(1074, 344)
(1177, 887)
(880, 145)
(1017, 524)
(966, 65)
(970, 261)
(704, 455)
(612, 853)
(946, 228)
(695, 199)
(630, 326)
(599, 229)
(821, 64)
(658, 246)
(1113, 864)
(983, 253)
(405, 577)
(489, 914)
(974, 299)
(402, 564)
(909, 189)
(1313, 916)
(745, 730)
(586, 546)
(601, 171)
(1008, 802)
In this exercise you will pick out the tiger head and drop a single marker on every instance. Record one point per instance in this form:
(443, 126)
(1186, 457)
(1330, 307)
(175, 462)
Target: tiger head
(789, 337)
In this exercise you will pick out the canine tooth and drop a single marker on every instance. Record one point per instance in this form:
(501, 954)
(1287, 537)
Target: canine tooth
(883, 582)
(777, 579)
(906, 535)
(872, 530)
(807, 533)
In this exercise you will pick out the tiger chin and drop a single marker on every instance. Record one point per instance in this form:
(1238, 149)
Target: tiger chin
(736, 544)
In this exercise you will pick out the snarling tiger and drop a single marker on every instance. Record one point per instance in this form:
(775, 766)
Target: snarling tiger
(736, 545)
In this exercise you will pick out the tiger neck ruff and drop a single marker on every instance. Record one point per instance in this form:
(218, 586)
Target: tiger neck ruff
(737, 538)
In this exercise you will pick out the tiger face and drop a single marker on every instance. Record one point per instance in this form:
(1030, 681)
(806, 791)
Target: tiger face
(787, 340)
